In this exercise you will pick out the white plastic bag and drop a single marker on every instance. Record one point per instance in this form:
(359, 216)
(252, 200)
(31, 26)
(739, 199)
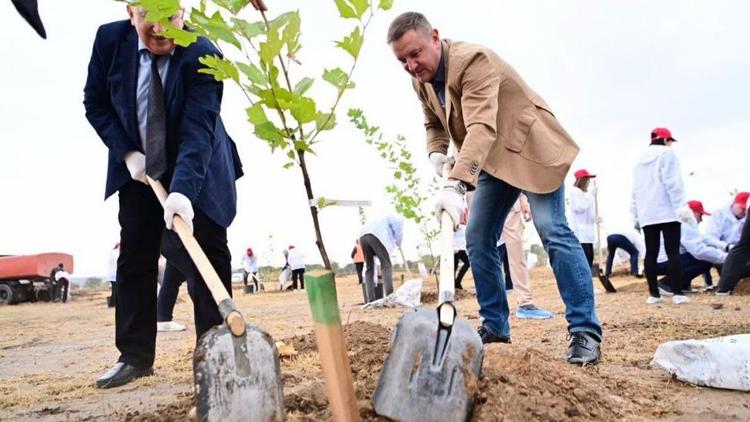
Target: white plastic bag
(409, 295)
(721, 362)
(285, 278)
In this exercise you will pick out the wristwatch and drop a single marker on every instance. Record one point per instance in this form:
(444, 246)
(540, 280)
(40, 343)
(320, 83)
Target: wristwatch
(458, 185)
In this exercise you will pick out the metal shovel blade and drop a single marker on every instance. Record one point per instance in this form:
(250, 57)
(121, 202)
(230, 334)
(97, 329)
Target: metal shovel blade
(237, 378)
(430, 373)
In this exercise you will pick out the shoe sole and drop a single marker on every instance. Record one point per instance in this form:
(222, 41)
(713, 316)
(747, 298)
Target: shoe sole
(112, 384)
(665, 292)
(579, 362)
(534, 317)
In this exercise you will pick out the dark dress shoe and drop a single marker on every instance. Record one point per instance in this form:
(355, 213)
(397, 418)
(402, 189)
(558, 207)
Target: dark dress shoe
(583, 349)
(488, 337)
(121, 374)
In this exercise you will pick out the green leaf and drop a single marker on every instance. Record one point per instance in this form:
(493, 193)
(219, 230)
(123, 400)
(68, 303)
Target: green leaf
(385, 4)
(303, 110)
(345, 10)
(180, 36)
(303, 85)
(215, 28)
(271, 47)
(247, 29)
(337, 78)
(253, 73)
(220, 68)
(289, 165)
(268, 132)
(291, 33)
(233, 6)
(281, 20)
(325, 121)
(352, 43)
(256, 115)
(360, 7)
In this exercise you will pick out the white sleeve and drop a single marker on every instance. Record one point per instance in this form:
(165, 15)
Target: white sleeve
(697, 246)
(580, 202)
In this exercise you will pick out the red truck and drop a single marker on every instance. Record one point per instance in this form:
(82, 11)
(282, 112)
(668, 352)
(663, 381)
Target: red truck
(27, 277)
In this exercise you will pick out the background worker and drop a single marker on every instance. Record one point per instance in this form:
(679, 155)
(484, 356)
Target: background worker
(697, 252)
(737, 264)
(112, 274)
(582, 212)
(167, 298)
(250, 268)
(358, 258)
(725, 226)
(514, 260)
(296, 260)
(631, 242)
(658, 204)
(379, 238)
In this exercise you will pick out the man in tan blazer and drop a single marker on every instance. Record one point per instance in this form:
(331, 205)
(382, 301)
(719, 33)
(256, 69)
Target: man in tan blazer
(508, 141)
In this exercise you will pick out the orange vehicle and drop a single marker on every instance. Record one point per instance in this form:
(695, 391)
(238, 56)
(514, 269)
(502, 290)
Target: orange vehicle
(28, 277)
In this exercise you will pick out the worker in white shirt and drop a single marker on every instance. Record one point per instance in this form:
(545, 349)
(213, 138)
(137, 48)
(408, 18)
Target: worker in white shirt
(631, 242)
(658, 203)
(114, 254)
(379, 238)
(737, 264)
(62, 284)
(697, 252)
(725, 224)
(296, 261)
(250, 268)
(459, 256)
(582, 212)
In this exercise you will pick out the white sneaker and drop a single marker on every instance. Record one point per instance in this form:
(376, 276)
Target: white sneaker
(718, 293)
(653, 300)
(680, 299)
(169, 326)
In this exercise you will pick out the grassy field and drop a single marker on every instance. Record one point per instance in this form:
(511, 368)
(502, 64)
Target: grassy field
(51, 354)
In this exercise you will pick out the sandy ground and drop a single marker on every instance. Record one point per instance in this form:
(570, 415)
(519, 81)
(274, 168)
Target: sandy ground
(51, 354)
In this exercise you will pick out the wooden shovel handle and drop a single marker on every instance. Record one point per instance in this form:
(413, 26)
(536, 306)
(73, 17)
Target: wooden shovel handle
(234, 319)
(447, 294)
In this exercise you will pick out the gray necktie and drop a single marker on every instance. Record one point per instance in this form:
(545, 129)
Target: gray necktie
(156, 124)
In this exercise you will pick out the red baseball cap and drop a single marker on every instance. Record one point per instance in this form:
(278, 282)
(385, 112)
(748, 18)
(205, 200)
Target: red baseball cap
(580, 174)
(662, 133)
(697, 206)
(741, 199)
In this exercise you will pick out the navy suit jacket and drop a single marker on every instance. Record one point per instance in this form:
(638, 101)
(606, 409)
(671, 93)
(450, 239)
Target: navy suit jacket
(202, 160)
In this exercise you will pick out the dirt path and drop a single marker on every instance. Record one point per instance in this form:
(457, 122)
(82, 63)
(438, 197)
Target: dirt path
(50, 355)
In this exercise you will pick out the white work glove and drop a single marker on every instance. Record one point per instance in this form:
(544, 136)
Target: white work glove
(685, 214)
(438, 159)
(179, 204)
(451, 201)
(136, 163)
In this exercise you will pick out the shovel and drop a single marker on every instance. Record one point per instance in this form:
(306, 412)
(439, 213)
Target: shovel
(431, 372)
(236, 364)
(598, 270)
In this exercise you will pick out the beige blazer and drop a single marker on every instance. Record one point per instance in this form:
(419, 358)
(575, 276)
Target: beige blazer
(496, 121)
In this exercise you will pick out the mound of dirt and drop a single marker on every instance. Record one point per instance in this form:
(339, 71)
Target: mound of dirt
(742, 288)
(528, 385)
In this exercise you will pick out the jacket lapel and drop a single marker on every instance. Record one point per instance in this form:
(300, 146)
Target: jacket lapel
(172, 74)
(127, 62)
(448, 73)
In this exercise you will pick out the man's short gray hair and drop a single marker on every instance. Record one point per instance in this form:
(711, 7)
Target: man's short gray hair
(406, 22)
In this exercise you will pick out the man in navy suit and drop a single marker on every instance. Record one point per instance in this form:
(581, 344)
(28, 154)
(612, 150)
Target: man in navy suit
(132, 109)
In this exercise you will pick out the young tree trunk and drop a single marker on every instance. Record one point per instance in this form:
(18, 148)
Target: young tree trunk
(313, 211)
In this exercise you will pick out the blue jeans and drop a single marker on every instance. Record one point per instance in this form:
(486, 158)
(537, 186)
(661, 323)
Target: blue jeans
(492, 201)
(691, 268)
(615, 241)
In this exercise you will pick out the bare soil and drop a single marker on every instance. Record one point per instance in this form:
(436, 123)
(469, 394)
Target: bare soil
(51, 355)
